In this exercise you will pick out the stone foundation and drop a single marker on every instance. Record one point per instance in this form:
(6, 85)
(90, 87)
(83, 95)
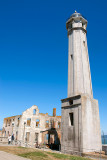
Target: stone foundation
(80, 130)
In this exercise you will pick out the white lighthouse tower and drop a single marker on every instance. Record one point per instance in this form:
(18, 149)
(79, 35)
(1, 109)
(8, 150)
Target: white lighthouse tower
(80, 112)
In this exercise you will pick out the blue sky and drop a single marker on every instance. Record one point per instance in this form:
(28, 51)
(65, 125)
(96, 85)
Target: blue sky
(34, 54)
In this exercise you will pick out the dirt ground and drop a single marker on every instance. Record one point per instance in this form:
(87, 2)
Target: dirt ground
(16, 150)
(35, 154)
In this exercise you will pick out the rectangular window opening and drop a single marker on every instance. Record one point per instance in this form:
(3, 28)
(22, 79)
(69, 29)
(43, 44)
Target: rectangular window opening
(72, 56)
(47, 124)
(37, 123)
(84, 42)
(71, 116)
(18, 122)
(28, 121)
(71, 102)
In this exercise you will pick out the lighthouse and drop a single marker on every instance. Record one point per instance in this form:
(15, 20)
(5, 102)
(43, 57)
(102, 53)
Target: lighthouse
(80, 126)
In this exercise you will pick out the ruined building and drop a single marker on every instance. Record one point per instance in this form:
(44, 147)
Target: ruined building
(80, 131)
(33, 128)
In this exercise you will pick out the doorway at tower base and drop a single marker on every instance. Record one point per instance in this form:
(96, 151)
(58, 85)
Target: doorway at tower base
(80, 125)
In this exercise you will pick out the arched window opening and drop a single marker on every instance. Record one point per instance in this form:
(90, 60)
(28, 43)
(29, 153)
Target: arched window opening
(34, 111)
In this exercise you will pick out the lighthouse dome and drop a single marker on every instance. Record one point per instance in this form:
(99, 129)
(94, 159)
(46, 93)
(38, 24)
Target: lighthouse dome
(76, 15)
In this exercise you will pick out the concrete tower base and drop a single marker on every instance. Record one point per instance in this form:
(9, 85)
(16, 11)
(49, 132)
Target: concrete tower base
(80, 125)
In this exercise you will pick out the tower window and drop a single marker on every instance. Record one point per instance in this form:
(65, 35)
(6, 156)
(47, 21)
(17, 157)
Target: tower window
(71, 102)
(71, 25)
(71, 117)
(71, 56)
(84, 43)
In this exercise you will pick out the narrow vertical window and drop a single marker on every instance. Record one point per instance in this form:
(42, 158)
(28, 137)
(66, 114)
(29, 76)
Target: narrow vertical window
(72, 56)
(84, 42)
(18, 122)
(71, 25)
(71, 117)
(28, 121)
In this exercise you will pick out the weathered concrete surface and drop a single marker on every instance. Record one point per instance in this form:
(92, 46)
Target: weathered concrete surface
(70, 134)
(91, 132)
(79, 76)
(8, 156)
(84, 135)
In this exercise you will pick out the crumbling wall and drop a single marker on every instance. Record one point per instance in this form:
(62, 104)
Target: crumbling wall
(29, 128)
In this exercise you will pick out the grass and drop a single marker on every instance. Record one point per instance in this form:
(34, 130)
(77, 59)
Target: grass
(59, 156)
(35, 154)
(68, 157)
